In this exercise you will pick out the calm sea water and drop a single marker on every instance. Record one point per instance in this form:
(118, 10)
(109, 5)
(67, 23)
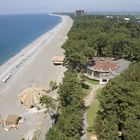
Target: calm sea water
(17, 31)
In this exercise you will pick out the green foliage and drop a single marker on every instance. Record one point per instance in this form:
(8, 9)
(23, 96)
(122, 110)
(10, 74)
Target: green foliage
(55, 134)
(120, 108)
(99, 36)
(69, 122)
(48, 102)
(90, 129)
(53, 85)
(69, 90)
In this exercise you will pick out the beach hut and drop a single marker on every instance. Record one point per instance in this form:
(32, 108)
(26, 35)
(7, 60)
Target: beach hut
(11, 121)
(30, 97)
(58, 60)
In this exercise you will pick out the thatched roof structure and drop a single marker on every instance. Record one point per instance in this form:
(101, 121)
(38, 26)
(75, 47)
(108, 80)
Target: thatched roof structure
(58, 59)
(30, 97)
(11, 120)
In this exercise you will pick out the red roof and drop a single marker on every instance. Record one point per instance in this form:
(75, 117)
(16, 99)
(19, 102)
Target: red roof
(104, 65)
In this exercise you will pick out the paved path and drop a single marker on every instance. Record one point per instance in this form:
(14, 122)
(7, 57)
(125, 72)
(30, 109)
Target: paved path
(88, 101)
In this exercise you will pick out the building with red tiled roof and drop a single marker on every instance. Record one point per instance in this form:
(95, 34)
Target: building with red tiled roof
(104, 65)
(101, 69)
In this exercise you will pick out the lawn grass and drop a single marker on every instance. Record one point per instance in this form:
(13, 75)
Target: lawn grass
(92, 113)
(92, 82)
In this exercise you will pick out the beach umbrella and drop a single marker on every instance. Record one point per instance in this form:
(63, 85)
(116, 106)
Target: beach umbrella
(30, 97)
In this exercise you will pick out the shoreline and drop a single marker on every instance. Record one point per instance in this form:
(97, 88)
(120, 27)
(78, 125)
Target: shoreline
(36, 71)
(31, 50)
(32, 42)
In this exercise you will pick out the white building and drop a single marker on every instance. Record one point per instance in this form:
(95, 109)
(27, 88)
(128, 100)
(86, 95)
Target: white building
(102, 70)
(126, 19)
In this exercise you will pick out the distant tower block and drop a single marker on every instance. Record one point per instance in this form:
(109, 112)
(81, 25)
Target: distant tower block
(79, 12)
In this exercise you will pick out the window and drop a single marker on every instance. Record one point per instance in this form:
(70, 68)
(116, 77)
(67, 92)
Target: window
(104, 80)
(96, 73)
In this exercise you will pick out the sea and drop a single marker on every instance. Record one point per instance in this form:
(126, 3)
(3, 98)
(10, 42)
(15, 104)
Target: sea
(18, 31)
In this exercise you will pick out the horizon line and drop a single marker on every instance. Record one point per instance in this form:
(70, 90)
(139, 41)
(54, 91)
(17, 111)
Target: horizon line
(86, 11)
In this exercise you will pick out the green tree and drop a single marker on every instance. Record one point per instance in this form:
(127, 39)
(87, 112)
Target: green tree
(70, 113)
(53, 85)
(119, 102)
(48, 102)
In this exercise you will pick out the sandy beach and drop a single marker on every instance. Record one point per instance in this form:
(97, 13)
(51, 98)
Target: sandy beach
(31, 67)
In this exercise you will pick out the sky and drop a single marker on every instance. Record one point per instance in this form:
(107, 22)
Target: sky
(43, 6)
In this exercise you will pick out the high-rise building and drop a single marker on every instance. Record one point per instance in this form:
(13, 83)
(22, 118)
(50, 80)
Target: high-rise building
(79, 12)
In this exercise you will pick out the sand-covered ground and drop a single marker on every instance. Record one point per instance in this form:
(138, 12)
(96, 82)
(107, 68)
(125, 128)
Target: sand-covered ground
(32, 66)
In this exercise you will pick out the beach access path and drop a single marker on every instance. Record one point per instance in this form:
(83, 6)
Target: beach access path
(37, 69)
